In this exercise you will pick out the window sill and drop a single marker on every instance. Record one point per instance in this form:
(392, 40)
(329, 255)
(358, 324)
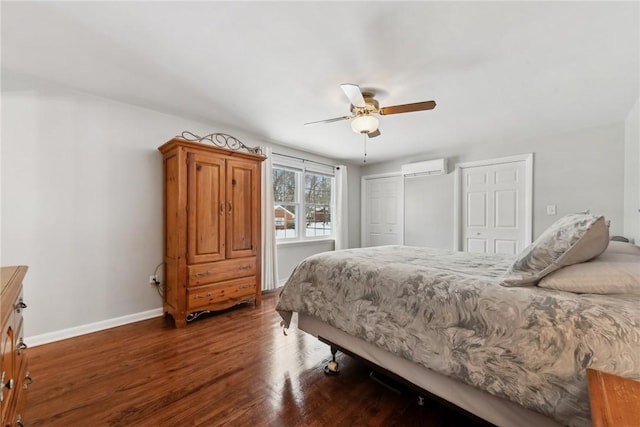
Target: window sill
(305, 242)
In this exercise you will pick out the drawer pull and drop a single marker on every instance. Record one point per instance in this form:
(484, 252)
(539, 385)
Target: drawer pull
(20, 305)
(245, 286)
(27, 381)
(9, 384)
(19, 421)
(21, 345)
(207, 273)
(245, 267)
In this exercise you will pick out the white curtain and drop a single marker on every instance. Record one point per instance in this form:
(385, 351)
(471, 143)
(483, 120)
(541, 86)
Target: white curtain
(269, 253)
(342, 208)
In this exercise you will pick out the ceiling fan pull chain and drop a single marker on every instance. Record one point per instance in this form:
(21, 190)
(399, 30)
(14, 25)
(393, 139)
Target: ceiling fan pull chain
(364, 136)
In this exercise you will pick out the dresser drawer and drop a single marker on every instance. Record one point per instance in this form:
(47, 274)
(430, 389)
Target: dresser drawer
(221, 295)
(7, 369)
(13, 359)
(202, 274)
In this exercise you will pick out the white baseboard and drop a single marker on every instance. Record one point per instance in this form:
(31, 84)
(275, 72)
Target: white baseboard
(91, 327)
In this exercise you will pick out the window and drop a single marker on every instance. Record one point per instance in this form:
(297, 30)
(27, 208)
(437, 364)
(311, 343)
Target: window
(317, 204)
(303, 200)
(285, 202)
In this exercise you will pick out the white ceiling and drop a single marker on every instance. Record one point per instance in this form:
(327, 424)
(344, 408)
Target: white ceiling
(498, 71)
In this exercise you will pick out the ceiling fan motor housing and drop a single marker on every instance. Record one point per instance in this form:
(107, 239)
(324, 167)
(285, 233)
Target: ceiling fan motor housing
(371, 106)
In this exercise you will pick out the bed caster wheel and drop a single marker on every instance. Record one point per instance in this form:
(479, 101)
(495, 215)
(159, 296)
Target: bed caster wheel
(332, 368)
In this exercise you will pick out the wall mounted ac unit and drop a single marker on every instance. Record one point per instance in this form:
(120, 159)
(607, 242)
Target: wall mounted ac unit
(429, 167)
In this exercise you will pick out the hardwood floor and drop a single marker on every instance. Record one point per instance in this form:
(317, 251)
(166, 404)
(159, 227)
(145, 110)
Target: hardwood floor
(233, 368)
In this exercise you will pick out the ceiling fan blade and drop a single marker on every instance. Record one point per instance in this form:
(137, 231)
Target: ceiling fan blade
(354, 94)
(407, 108)
(337, 119)
(374, 133)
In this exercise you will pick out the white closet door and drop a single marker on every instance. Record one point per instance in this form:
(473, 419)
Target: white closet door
(382, 211)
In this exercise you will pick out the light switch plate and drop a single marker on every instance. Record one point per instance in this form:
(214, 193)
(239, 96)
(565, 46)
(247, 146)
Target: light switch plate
(551, 209)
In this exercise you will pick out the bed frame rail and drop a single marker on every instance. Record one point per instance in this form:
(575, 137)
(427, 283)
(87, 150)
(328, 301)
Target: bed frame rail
(421, 393)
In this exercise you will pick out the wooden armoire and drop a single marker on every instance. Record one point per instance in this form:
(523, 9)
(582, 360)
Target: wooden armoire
(211, 226)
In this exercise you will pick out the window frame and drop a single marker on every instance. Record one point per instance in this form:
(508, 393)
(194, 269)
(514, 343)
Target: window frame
(302, 168)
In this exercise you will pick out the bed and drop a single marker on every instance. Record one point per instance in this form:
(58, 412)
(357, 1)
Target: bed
(505, 338)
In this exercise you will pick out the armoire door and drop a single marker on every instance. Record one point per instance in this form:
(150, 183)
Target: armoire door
(243, 207)
(206, 208)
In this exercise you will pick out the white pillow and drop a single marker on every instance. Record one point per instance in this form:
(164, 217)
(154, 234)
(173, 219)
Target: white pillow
(610, 273)
(623, 248)
(572, 239)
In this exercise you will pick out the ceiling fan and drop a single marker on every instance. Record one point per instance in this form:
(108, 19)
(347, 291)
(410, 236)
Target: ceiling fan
(364, 107)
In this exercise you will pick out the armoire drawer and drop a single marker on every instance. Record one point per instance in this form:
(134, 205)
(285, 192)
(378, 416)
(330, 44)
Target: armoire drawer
(202, 274)
(220, 295)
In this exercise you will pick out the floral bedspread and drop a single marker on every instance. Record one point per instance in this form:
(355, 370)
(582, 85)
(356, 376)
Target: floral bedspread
(447, 311)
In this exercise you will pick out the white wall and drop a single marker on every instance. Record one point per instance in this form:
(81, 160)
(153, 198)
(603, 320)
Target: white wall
(632, 175)
(428, 209)
(81, 185)
(575, 171)
(290, 254)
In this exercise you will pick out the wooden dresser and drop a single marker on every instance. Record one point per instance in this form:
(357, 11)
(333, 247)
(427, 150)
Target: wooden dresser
(14, 374)
(211, 241)
(615, 400)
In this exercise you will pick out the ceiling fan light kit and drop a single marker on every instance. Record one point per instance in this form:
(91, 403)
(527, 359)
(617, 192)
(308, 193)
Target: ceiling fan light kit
(364, 124)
